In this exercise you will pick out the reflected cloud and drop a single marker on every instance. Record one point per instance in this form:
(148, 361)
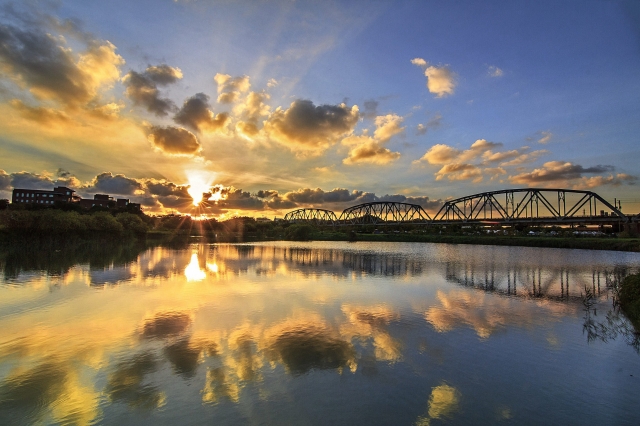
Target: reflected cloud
(302, 346)
(51, 391)
(486, 313)
(218, 387)
(371, 324)
(126, 383)
(183, 357)
(166, 325)
(443, 402)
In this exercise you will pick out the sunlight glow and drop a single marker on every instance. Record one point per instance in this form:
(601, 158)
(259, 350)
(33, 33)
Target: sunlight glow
(193, 271)
(199, 183)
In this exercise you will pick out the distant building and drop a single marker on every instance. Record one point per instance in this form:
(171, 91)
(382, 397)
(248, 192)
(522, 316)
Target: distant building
(40, 196)
(62, 194)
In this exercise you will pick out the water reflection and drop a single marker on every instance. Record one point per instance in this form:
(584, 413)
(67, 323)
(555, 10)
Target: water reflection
(254, 328)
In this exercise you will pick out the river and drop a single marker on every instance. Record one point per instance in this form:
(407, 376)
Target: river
(316, 333)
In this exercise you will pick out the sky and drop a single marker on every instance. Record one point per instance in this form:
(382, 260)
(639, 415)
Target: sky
(271, 106)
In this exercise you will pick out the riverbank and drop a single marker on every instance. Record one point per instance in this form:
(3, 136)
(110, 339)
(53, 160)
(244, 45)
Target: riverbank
(612, 243)
(629, 297)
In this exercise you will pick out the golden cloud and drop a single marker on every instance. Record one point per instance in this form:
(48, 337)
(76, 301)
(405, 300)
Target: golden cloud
(305, 126)
(174, 140)
(230, 88)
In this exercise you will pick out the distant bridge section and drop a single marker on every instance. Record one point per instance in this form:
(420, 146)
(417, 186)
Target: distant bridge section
(530, 206)
(384, 212)
(316, 216)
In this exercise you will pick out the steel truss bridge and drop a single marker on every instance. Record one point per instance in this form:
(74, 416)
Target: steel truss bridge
(531, 206)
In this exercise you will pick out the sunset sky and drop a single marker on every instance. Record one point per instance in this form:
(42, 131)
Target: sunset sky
(278, 105)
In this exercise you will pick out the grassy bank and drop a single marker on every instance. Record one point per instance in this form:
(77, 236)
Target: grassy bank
(629, 297)
(617, 244)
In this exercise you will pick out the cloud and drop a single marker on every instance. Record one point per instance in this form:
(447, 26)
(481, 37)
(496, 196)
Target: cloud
(440, 80)
(40, 115)
(195, 114)
(440, 154)
(26, 180)
(525, 158)
(367, 149)
(305, 126)
(611, 180)
(562, 173)
(480, 159)
(142, 88)
(5, 181)
(318, 196)
(546, 137)
(272, 82)
(460, 171)
(433, 123)
(43, 63)
(163, 74)
(387, 126)
(109, 184)
(230, 88)
(234, 198)
(250, 111)
(425, 202)
(494, 71)
(174, 140)
(370, 109)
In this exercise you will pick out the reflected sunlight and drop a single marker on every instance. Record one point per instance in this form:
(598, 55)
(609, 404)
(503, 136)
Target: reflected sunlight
(193, 271)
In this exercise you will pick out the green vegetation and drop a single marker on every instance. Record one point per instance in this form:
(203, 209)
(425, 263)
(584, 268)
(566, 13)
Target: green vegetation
(64, 223)
(629, 298)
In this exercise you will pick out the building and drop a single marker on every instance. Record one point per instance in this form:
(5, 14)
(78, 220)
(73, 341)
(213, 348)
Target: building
(62, 194)
(103, 200)
(40, 196)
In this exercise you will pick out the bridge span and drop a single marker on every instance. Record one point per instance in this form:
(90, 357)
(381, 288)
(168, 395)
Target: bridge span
(528, 206)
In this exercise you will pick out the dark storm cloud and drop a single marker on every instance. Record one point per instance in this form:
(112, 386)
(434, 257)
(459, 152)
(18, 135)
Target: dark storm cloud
(142, 88)
(109, 184)
(195, 114)
(307, 126)
(174, 140)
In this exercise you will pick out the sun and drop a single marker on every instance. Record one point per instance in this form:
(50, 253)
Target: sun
(199, 183)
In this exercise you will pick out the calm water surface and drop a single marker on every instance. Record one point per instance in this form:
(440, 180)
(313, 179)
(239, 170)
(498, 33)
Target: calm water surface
(315, 334)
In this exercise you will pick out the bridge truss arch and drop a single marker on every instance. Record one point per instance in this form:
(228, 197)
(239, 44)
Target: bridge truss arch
(384, 212)
(530, 205)
(316, 216)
